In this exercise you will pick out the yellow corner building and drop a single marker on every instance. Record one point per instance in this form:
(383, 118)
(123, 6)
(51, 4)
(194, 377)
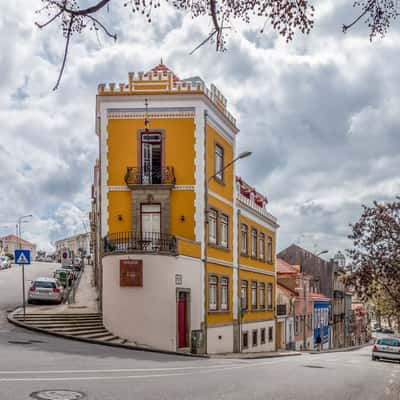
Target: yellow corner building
(187, 248)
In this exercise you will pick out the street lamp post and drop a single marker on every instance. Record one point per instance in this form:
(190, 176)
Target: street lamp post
(207, 182)
(20, 221)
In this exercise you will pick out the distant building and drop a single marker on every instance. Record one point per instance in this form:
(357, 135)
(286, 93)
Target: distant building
(10, 243)
(76, 246)
(326, 277)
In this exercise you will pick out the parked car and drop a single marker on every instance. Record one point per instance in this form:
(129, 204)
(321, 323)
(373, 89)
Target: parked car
(5, 262)
(46, 289)
(388, 348)
(389, 331)
(77, 262)
(72, 270)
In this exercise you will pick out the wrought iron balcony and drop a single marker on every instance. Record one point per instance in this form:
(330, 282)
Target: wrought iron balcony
(150, 176)
(140, 242)
(281, 309)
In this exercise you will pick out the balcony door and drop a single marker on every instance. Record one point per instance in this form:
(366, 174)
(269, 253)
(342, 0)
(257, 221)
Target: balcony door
(151, 158)
(150, 221)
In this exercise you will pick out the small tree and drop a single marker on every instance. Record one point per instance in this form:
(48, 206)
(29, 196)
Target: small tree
(375, 257)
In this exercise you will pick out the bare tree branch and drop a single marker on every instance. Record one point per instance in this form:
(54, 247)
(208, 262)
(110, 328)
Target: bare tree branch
(366, 10)
(209, 37)
(69, 33)
(111, 35)
(49, 21)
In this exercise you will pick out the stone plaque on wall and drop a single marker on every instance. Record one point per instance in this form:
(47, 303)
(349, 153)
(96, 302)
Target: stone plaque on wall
(131, 273)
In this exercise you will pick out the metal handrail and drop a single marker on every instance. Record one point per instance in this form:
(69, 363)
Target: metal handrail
(140, 242)
(148, 175)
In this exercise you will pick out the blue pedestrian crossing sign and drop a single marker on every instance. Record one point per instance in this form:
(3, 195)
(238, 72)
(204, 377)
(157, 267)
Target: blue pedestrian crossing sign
(22, 256)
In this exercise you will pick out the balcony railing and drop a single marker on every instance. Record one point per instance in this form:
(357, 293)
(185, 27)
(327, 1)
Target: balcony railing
(150, 176)
(140, 242)
(281, 309)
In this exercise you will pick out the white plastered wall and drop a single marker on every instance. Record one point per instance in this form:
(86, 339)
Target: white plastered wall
(148, 315)
(249, 327)
(220, 339)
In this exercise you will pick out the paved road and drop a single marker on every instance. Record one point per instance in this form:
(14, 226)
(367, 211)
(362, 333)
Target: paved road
(11, 284)
(31, 362)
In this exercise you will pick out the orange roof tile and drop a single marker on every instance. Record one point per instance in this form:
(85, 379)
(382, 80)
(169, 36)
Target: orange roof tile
(285, 268)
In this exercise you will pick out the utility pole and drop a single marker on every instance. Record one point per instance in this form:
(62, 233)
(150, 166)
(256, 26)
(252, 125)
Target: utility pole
(305, 313)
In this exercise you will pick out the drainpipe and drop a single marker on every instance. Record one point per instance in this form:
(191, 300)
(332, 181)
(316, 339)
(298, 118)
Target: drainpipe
(238, 284)
(205, 238)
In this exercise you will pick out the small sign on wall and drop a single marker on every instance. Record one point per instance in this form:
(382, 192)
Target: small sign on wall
(131, 273)
(178, 279)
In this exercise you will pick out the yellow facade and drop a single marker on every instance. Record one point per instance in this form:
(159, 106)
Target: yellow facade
(182, 148)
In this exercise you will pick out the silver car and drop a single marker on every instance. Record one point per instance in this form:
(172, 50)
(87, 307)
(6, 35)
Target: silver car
(388, 348)
(46, 289)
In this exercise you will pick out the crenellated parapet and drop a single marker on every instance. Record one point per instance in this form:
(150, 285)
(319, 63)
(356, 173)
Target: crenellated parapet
(161, 80)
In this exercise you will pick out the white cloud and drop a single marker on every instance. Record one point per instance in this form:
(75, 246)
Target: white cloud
(320, 114)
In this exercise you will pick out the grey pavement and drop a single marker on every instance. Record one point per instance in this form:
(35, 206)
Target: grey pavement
(31, 362)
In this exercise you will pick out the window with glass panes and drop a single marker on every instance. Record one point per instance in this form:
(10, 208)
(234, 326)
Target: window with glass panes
(253, 242)
(212, 226)
(261, 240)
(262, 295)
(269, 296)
(212, 292)
(219, 162)
(243, 238)
(223, 222)
(243, 294)
(224, 296)
(269, 249)
(253, 295)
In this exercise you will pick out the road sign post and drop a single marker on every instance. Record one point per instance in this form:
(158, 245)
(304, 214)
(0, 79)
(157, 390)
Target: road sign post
(23, 257)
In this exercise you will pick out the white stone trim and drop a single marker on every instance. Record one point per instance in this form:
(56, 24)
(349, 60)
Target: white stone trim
(235, 244)
(118, 189)
(257, 270)
(142, 115)
(256, 208)
(103, 169)
(219, 261)
(248, 213)
(183, 187)
(220, 130)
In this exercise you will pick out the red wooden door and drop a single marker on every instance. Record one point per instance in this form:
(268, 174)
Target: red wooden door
(182, 320)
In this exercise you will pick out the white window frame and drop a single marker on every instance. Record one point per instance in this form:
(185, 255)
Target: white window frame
(269, 249)
(224, 230)
(270, 291)
(224, 293)
(261, 286)
(212, 226)
(253, 242)
(243, 239)
(244, 287)
(219, 162)
(254, 295)
(212, 292)
(261, 240)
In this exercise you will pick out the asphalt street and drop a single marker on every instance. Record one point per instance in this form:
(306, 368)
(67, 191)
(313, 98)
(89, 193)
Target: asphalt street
(31, 362)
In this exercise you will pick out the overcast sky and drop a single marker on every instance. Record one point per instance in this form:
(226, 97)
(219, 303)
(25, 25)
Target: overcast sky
(321, 115)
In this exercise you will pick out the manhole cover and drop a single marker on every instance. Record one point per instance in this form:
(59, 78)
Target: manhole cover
(314, 366)
(57, 395)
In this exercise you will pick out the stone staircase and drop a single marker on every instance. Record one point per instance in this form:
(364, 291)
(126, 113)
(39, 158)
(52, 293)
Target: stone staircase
(85, 326)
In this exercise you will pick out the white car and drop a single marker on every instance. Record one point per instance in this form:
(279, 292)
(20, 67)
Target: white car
(387, 348)
(46, 289)
(5, 262)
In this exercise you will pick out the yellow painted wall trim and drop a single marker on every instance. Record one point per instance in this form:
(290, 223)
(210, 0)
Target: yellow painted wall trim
(258, 270)
(220, 198)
